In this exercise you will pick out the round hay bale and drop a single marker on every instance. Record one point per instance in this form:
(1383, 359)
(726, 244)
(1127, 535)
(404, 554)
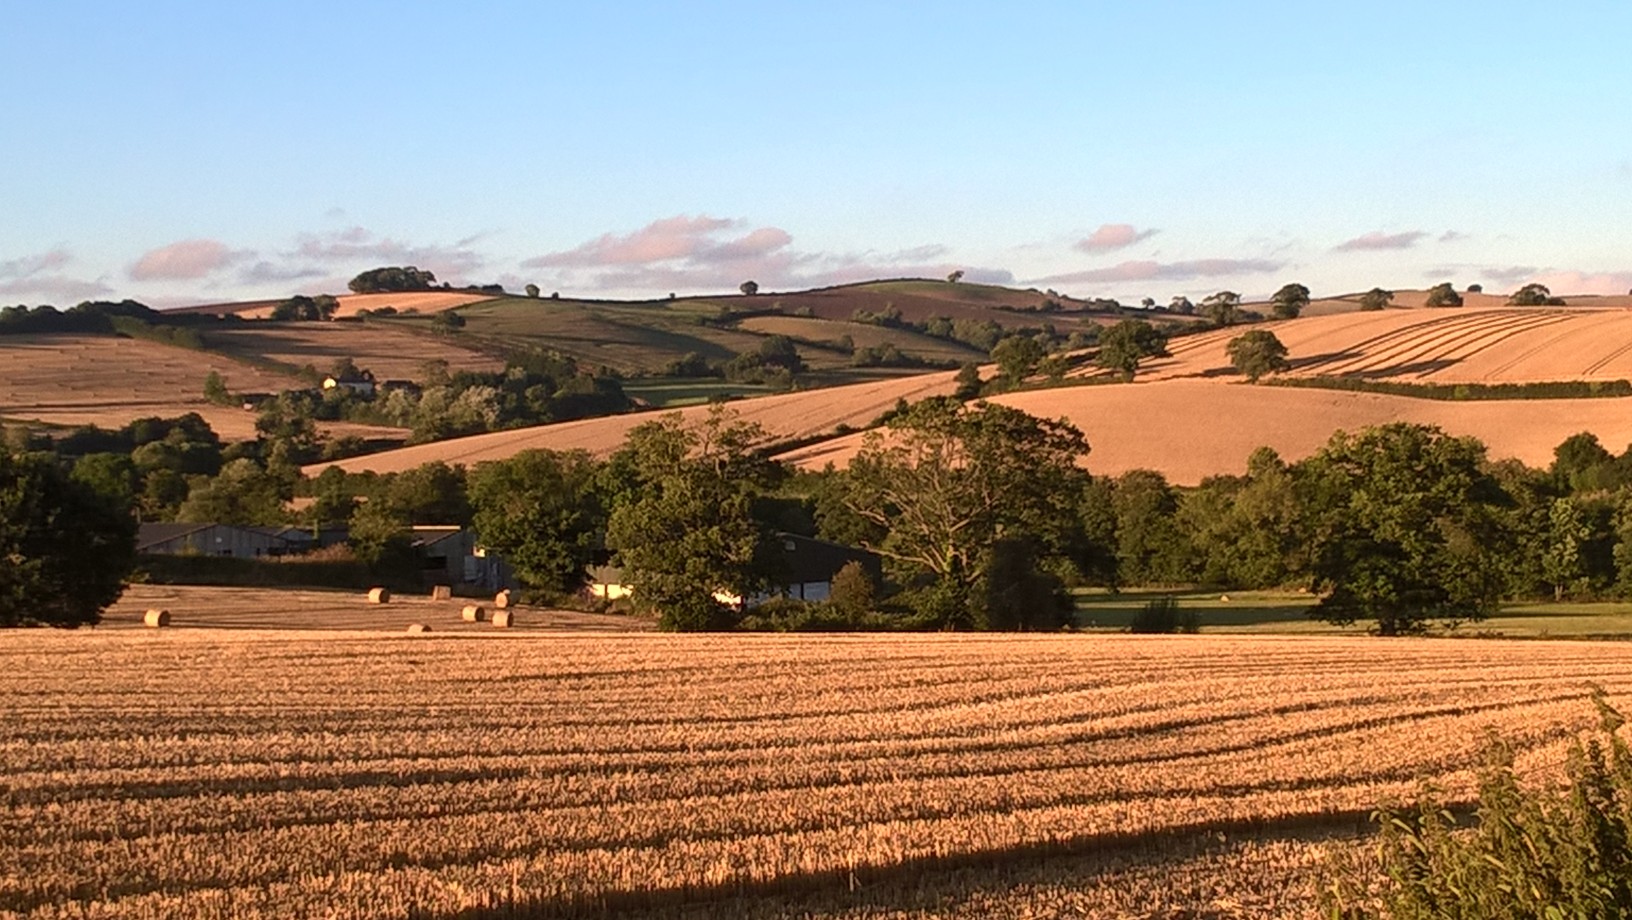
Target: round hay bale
(504, 619)
(502, 600)
(379, 596)
(473, 613)
(154, 619)
(441, 593)
(418, 628)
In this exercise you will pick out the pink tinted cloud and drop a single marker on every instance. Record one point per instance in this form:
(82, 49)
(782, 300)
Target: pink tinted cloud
(358, 248)
(1377, 240)
(1113, 236)
(678, 237)
(1145, 270)
(1577, 282)
(184, 260)
(707, 253)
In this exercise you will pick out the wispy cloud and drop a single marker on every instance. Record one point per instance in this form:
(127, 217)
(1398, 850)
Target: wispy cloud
(359, 248)
(1111, 237)
(1452, 236)
(1167, 271)
(186, 260)
(1508, 274)
(1377, 240)
(40, 276)
(694, 253)
(682, 237)
(1579, 282)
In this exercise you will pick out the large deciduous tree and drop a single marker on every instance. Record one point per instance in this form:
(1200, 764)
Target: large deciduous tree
(1257, 353)
(65, 549)
(1289, 301)
(948, 491)
(541, 510)
(682, 522)
(1405, 528)
(1123, 345)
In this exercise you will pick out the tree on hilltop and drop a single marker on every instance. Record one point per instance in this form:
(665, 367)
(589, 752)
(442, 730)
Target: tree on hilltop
(392, 279)
(749, 288)
(1443, 295)
(1290, 300)
(1376, 299)
(1534, 295)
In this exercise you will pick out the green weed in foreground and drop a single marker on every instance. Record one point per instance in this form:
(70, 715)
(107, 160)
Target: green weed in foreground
(1552, 853)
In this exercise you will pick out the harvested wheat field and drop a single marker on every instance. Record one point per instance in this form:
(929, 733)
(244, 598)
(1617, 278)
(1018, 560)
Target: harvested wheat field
(389, 353)
(1191, 429)
(352, 304)
(205, 773)
(1506, 345)
(786, 416)
(200, 607)
(110, 381)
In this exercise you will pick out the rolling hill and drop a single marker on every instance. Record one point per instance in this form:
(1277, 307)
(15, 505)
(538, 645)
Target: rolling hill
(1189, 416)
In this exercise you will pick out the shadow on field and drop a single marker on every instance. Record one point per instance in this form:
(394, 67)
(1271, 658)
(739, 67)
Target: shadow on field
(933, 884)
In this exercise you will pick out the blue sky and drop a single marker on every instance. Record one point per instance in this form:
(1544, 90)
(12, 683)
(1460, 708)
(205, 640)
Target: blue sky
(188, 152)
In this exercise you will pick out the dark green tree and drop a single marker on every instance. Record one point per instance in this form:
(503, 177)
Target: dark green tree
(749, 288)
(65, 549)
(243, 493)
(1405, 528)
(1289, 301)
(1223, 308)
(1125, 344)
(1443, 295)
(1256, 353)
(1017, 357)
(681, 522)
(392, 279)
(969, 383)
(541, 511)
(1534, 295)
(1376, 299)
(945, 482)
(112, 476)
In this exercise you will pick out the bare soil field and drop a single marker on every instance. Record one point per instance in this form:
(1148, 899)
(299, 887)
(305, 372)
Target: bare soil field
(110, 381)
(1191, 429)
(239, 774)
(199, 607)
(786, 416)
(389, 353)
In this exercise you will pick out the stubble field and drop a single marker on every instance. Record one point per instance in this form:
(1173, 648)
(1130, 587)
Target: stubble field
(204, 773)
(73, 380)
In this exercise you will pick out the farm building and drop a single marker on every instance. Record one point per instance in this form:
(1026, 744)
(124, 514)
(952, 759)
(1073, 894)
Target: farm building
(453, 557)
(359, 382)
(807, 570)
(213, 540)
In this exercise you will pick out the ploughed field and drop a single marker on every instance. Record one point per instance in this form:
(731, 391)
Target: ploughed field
(206, 773)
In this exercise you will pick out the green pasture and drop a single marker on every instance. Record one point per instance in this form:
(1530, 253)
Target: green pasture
(1288, 612)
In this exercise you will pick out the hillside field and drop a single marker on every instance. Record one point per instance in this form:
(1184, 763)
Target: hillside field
(238, 774)
(71, 380)
(802, 414)
(390, 352)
